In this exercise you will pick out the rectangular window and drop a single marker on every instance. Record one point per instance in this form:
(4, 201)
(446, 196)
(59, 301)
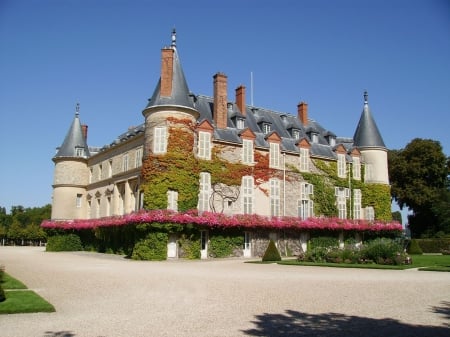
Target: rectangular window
(295, 134)
(247, 194)
(78, 201)
(240, 123)
(274, 197)
(305, 204)
(370, 213)
(341, 165)
(205, 188)
(110, 168)
(314, 137)
(125, 162)
(97, 208)
(108, 206)
(304, 160)
(266, 128)
(274, 155)
(172, 200)
(342, 207)
(79, 152)
(247, 151)
(204, 145)
(138, 159)
(160, 140)
(356, 204)
(356, 168)
(100, 171)
(90, 174)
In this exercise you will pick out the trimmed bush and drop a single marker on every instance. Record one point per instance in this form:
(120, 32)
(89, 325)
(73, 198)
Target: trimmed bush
(414, 247)
(272, 253)
(153, 247)
(2, 292)
(224, 245)
(383, 251)
(64, 243)
(434, 245)
(324, 242)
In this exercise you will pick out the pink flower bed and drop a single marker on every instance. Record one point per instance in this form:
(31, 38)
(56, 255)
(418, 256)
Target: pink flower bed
(219, 220)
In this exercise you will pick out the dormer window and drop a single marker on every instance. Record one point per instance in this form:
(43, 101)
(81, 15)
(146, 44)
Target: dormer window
(266, 128)
(240, 123)
(332, 141)
(314, 137)
(79, 151)
(295, 134)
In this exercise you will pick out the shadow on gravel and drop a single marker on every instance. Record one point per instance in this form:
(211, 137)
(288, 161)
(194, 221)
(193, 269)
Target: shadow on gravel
(294, 323)
(59, 334)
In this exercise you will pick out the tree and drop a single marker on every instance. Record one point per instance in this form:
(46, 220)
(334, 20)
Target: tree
(419, 177)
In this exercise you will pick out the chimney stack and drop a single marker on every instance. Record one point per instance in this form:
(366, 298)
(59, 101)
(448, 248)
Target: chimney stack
(220, 100)
(240, 99)
(302, 109)
(166, 71)
(84, 130)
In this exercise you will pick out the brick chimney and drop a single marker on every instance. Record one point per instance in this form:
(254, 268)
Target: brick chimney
(220, 100)
(302, 110)
(240, 99)
(84, 130)
(166, 71)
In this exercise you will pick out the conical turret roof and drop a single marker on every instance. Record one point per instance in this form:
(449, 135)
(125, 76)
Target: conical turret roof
(180, 94)
(367, 133)
(74, 144)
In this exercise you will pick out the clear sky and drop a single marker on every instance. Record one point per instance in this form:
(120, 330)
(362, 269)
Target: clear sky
(106, 56)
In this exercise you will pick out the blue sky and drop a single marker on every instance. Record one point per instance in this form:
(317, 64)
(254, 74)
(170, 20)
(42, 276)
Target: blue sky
(106, 56)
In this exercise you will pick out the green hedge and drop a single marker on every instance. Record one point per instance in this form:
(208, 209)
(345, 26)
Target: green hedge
(223, 245)
(152, 247)
(60, 243)
(434, 245)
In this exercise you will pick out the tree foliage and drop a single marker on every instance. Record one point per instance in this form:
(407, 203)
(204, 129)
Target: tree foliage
(419, 175)
(22, 225)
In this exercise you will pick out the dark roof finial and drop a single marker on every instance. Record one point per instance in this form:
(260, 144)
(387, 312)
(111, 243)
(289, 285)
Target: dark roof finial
(174, 38)
(77, 109)
(366, 97)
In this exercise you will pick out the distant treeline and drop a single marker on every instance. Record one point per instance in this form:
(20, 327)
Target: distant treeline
(22, 225)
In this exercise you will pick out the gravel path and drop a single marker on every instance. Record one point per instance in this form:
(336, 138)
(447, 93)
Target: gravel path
(106, 295)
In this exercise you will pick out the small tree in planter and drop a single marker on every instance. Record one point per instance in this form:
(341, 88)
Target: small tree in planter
(272, 253)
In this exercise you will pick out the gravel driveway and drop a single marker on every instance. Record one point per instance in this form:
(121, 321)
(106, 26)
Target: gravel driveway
(106, 295)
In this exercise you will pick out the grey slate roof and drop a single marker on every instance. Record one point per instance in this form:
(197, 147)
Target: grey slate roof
(180, 91)
(74, 142)
(367, 133)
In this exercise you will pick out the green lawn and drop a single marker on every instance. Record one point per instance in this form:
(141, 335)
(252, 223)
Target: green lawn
(19, 299)
(423, 262)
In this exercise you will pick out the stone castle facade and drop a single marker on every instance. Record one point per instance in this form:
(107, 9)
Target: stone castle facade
(218, 154)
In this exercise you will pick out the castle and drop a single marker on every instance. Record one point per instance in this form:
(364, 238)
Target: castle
(219, 155)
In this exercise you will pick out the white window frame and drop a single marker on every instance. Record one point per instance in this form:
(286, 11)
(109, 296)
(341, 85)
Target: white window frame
(125, 161)
(296, 134)
(357, 197)
(110, 168)
(274, 155)
(368, 174)
(247, 194)
(314, 137)
(247, 151)
(79, 200)
(172, 200)
(205, 191)
(342, 207)
(369, 213)
(356, 168)
(341, 167)
(100, 171)
(240, 124)
(138, 158)
(305, 205)
(266, 128)
(274, 197)
(304, 160)
(160, 140)
(204, 145)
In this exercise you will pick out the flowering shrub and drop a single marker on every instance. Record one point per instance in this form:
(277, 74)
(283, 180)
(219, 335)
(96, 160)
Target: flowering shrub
(219, 220)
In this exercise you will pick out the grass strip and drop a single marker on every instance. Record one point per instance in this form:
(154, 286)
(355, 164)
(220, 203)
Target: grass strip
(20, 300)
(24, 301)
